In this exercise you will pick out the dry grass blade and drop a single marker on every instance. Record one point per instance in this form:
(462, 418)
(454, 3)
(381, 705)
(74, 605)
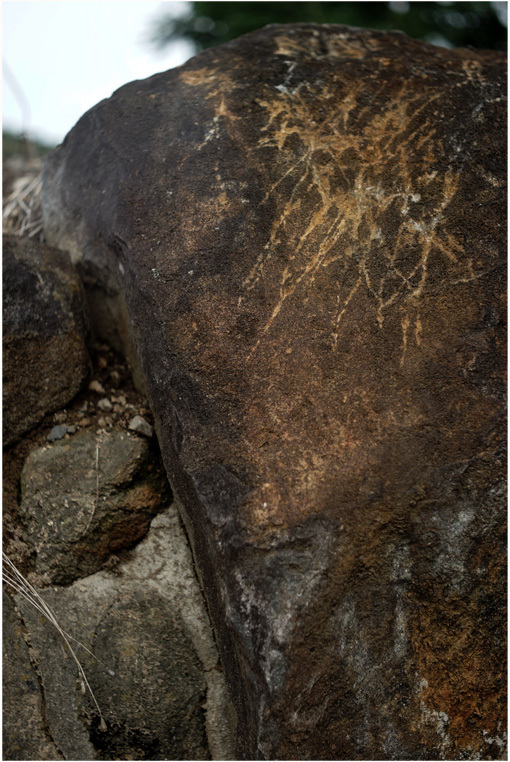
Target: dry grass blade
(12, 577)
(97, 491)
(22, 208)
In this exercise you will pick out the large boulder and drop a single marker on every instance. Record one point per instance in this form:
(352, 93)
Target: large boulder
(307, 226)
(45, 359)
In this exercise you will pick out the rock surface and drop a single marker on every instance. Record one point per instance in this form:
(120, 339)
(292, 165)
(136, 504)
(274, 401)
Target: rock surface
(86, 498)
(141, 426)
(307, 225)
(148, 624)
(45, 360)
(25, 733)
(158, 632)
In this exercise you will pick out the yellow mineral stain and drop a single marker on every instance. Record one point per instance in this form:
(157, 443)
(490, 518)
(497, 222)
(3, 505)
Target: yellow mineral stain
(290, 207)
(418, 331)
(344, 307)
(275, 108)
(275, 185)
(474, 71)
(205, 76)
(286, 46)
(335, 47)
(223, 111)
(344, 198)
(285, 292)
(405, 326)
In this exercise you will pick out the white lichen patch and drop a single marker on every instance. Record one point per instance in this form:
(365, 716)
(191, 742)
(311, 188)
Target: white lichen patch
(436, 720)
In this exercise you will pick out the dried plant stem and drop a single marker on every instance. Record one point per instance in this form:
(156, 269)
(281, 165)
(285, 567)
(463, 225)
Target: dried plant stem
(22, 212)
(97, 491)
(17, 581)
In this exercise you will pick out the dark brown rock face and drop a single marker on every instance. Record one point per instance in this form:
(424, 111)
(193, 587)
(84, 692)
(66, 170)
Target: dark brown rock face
(45, 360)
(307, 224)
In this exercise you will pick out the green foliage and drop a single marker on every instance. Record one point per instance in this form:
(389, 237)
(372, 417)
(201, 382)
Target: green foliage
(16, 145)
(454, 24)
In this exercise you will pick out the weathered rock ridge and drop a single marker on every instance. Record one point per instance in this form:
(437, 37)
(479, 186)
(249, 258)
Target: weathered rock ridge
(307, 227)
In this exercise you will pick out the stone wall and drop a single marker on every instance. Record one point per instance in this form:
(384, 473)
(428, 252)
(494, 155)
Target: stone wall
(90, 521)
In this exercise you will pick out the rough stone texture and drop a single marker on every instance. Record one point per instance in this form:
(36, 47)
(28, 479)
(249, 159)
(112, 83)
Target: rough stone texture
(308, 226)
(24, 730)
(147, 622)
(141, 426)
(45, 361)
(86, 498)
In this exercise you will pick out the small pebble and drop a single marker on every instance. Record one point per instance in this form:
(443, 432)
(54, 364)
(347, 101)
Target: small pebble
(102, 362)
(71, 429)
(141, 426)
(57, 432)
(101, 423)
(60, 417)
(105, 405)
(85, 422)
(95, 386)
(115, 378)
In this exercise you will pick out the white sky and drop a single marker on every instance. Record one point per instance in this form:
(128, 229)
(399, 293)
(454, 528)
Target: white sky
(67, 55)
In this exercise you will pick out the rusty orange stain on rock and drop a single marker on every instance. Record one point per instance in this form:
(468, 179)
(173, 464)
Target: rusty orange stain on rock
(324, 351)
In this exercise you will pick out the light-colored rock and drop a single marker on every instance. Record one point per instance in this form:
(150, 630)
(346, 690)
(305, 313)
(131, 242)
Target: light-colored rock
(147, 623)
(141, 426)
(57, 432)
(86, 498)
(96, 386)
